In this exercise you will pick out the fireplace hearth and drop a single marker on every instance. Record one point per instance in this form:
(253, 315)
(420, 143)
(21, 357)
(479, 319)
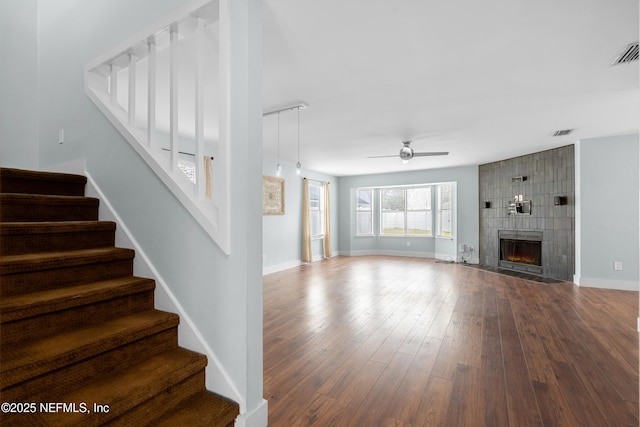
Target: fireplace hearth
(520, 250)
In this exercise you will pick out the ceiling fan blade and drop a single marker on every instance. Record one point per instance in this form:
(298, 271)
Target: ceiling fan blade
(432, 153)
(379, 157)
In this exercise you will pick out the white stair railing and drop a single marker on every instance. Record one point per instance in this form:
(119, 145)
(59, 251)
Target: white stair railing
(159, 90)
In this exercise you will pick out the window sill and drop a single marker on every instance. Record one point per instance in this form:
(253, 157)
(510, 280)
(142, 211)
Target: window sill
(405, 236)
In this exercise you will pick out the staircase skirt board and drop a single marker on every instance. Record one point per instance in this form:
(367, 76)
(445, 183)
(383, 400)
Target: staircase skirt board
(77, 326)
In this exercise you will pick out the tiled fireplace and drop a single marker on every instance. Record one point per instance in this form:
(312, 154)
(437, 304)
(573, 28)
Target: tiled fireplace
(520, 250)
(543, 214)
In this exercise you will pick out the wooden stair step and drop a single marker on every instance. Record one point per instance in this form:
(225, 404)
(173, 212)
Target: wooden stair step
(77, 326)
(52, 353)
(49, 387)
(36, 207)
(27, 273)
(37, 182)
(38, 303)
(49, 236)
(132, 394)
(37, 315)
(201, 410)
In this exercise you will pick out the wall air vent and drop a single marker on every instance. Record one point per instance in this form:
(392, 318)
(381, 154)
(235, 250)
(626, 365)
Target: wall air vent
(629, 54)
(562, 132)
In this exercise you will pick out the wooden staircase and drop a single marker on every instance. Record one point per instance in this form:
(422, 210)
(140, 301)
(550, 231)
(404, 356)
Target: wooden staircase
(81, 343)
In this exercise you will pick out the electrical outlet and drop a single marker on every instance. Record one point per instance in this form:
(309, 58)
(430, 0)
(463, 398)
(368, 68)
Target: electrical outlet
(408, 244)
(617, 265)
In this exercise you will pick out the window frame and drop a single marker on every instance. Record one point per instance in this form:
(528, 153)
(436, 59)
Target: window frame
(405, 212)
(319, 209)
(439, 234)
(371, 211)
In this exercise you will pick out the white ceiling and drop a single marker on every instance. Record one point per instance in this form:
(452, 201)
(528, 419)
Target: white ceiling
(485, 80)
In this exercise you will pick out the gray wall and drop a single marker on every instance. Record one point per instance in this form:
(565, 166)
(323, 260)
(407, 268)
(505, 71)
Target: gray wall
(282, 234)
(549, 173)
(18, 84)
(466, 223)
(607, 185)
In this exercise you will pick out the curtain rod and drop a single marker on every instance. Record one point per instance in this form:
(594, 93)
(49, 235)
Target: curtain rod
(317, 180)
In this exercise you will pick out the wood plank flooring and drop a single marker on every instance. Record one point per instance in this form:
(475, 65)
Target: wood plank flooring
(405, 342)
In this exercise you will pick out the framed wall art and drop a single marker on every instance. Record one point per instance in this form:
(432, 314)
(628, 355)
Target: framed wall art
(272, 195)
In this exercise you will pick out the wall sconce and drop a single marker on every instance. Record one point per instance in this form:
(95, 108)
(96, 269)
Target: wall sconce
(486, 205)
(559, 200)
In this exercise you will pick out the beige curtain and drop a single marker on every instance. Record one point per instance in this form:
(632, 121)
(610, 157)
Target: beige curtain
(207, 177)
(327, 222)
(306, 223)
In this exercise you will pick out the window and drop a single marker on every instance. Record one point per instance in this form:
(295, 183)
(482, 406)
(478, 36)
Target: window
(419, 216)
(316, 205)
(392, 202)
(406, 211)
(364, 212)
(444, 206)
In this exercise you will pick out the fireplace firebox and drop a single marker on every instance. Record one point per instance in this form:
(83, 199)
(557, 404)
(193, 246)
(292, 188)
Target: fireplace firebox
(520, 250)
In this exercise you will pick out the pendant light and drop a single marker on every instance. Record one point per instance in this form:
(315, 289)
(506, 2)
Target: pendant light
(279, 167)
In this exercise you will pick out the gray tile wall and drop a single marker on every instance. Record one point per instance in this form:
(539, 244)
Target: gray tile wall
(549, 173)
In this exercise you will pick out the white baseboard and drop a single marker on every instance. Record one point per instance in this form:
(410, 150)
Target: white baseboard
(280, 267)
(256, 418)
(270, 269)
(381, 252)
(621, 285)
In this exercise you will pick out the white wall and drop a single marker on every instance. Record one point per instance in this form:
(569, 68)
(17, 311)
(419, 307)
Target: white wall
(282, 245)
(467, 225)
(222, 294)
(607, 220)
(18, 84)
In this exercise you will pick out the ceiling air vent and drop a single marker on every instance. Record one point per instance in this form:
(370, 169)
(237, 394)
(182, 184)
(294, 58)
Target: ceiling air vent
(629, 54)
(562, 132)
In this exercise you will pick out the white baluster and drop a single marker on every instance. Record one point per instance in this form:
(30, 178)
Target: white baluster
(151, 92)
(132, 90)
(113, 84)
(199, 109)
(173, 98)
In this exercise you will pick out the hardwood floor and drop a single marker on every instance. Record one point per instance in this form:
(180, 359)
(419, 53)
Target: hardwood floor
(383, 341)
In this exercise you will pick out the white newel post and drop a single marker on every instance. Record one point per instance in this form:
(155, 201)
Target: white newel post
(241, 140)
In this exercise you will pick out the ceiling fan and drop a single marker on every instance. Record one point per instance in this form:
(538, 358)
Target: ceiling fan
(407, 153)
